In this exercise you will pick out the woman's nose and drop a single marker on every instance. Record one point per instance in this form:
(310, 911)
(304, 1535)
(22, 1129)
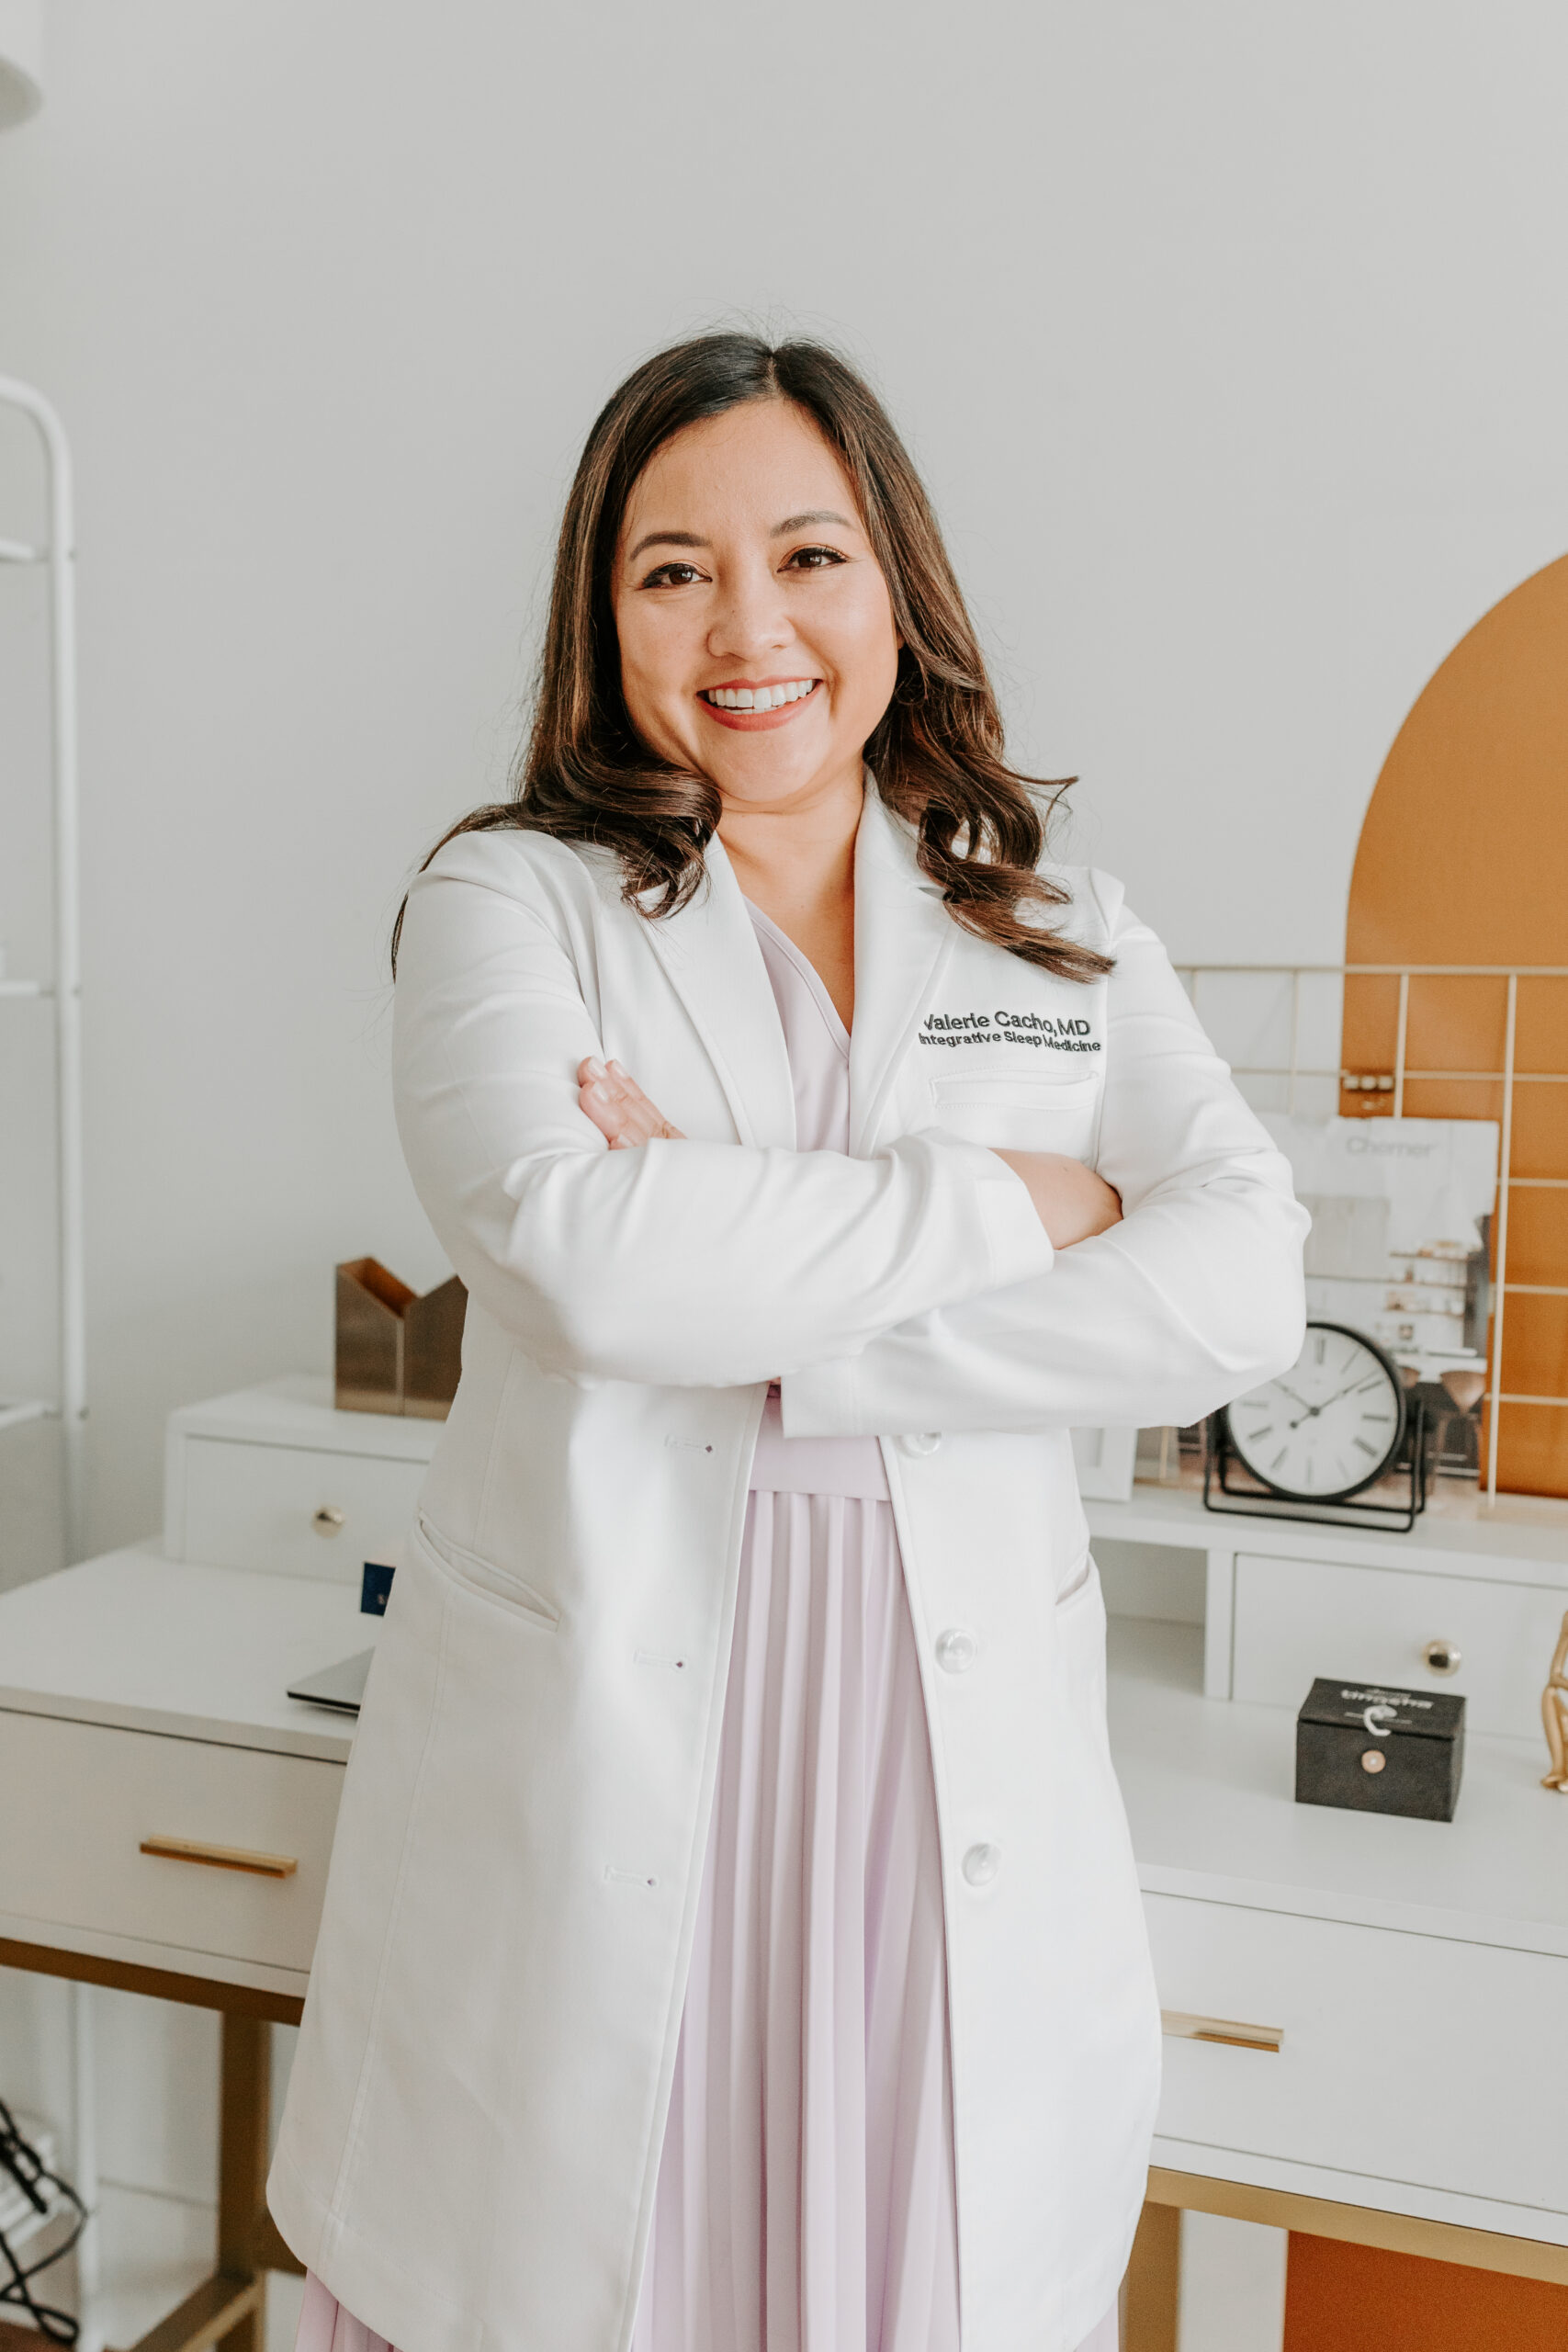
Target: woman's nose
(751, 619)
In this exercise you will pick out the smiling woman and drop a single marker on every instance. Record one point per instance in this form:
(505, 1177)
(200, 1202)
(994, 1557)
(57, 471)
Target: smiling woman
(732, 1943)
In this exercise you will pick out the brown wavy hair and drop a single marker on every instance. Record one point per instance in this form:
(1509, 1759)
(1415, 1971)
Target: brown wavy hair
(937, 752)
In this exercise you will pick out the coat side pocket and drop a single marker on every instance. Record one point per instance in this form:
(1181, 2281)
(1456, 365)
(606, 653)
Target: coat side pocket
(1079, 1580)
(483, 1576)
(1080, 1621)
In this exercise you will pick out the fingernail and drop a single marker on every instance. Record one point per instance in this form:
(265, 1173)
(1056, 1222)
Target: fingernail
(595, 1067)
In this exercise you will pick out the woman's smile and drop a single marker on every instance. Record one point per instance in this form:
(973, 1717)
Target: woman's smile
(752, 705)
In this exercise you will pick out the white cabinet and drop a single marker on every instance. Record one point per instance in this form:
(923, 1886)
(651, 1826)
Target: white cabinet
(275, 1478)
(1289, 1599)
(1298, 1619)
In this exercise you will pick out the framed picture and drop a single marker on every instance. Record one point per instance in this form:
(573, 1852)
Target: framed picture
(1104, 1459)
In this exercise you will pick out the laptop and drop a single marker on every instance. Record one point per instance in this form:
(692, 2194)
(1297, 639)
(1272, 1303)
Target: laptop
(341, 1687)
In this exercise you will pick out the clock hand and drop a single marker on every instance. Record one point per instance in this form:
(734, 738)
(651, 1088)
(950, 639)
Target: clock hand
(1312, 1410)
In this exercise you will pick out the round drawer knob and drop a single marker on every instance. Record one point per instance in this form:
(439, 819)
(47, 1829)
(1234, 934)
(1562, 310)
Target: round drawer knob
(1374, 1760)
(329, 1520)
(1442, 1658)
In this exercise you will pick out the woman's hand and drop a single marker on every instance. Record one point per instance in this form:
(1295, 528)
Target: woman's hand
(619, 1108)
(1072, 1203)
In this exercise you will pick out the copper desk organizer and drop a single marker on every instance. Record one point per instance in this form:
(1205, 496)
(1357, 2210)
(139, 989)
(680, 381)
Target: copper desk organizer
(396, 1353)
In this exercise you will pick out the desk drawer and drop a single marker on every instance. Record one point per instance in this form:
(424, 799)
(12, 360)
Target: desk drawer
(1298, 1619)
(1407, 2057)
(81, 1798)
(257, 1506)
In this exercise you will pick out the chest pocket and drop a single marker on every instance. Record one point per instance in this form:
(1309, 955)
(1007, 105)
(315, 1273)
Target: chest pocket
(1021, 1114)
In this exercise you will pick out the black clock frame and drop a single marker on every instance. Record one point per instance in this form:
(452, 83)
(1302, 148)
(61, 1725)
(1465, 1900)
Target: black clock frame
(1263, 1500)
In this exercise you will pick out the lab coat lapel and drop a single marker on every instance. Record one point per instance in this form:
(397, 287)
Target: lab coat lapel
(710, 953)
(903, 937)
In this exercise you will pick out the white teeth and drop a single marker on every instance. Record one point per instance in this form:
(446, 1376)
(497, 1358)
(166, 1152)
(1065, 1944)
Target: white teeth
(760, 697)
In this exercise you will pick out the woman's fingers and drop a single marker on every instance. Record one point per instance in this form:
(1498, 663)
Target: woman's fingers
(1071, 1201)
(619, 1108)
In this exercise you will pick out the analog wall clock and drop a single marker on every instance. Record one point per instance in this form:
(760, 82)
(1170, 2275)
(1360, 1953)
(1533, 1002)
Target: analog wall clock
(1331, 1425)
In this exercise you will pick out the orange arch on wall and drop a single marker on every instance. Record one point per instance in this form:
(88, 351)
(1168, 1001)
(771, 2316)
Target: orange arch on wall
(1464, 859)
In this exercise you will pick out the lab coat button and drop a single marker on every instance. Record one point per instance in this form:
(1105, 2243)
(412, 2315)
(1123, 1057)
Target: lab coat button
(922, 1442)
(956, 1650)
(981, 1864)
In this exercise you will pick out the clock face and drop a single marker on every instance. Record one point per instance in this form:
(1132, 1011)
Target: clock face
(1327, 1428)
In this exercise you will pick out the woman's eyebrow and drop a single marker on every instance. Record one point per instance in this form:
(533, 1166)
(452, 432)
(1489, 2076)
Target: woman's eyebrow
(817, 515)
(667, 539)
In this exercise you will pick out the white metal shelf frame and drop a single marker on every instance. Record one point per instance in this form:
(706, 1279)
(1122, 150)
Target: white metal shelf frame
(1394, 1082)
(57, 555)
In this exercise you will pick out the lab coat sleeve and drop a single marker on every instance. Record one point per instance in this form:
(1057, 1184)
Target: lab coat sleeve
(1194, 1298)
(702, 1263)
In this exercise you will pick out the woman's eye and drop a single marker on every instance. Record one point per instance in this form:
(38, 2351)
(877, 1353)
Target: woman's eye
(812, 559)
(672, 575)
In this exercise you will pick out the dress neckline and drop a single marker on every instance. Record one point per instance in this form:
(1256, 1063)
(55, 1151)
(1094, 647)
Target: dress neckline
(832, 1019)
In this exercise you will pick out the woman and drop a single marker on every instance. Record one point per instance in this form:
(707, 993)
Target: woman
(732, 1943)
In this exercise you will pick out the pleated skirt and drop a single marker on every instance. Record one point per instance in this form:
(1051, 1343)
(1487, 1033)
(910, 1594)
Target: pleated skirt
(805, 2198)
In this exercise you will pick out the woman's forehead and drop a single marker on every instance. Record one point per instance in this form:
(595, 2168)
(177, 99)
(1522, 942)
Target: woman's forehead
(755, 467)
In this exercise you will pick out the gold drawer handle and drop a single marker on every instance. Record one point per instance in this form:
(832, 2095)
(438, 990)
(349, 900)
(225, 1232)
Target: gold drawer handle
(1184, 2026)
(221, 1857)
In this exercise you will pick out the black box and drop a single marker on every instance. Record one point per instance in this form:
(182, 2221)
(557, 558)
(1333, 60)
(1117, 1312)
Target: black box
(1377, 1750)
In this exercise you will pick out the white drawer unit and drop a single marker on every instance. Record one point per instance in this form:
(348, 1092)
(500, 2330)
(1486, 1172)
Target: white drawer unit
(184, 1843)
(1287, 1599)
(1419, 2059)
(294, 1511)
(275, 1478)
(1297, 1619)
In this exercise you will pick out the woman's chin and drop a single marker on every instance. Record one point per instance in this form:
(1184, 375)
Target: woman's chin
(762, 771)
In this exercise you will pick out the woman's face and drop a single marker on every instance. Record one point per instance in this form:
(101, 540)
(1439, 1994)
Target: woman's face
(756, 630)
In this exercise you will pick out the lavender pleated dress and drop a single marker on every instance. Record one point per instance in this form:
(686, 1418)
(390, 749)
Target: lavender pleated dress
(805, 2198)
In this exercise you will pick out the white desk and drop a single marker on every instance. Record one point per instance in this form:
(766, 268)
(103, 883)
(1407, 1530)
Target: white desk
(1419, 1969)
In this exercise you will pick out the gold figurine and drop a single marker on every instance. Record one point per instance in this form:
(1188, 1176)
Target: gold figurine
(1554, 1715)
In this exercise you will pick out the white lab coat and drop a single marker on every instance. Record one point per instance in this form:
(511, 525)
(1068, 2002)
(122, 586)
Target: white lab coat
(469, 2148)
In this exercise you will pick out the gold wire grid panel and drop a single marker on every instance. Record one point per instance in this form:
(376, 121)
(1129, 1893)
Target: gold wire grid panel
(1391, 1085)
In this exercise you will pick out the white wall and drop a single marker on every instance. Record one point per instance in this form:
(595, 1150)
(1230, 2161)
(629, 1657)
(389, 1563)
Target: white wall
(1231, 339)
